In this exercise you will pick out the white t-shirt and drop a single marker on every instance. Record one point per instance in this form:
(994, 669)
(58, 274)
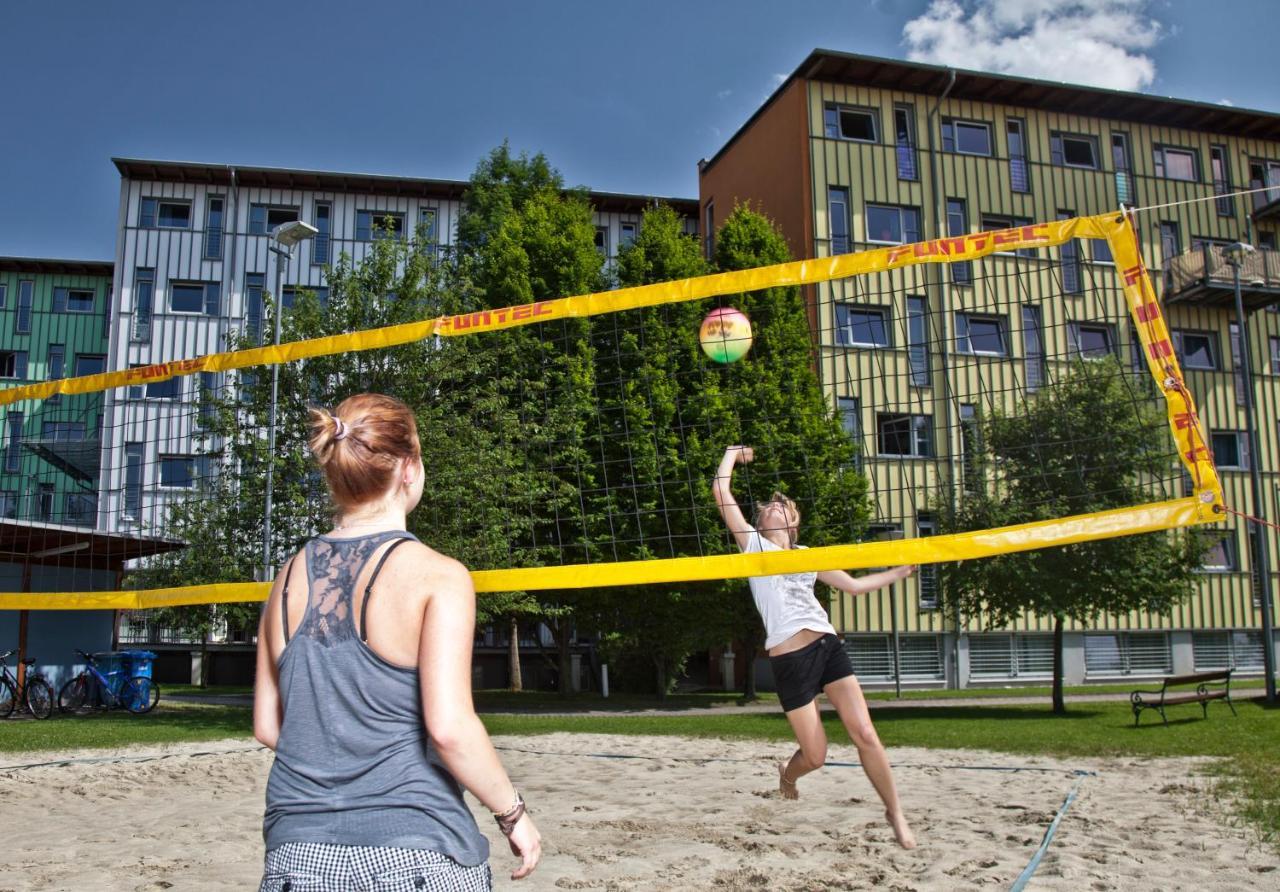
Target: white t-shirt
(786, 603)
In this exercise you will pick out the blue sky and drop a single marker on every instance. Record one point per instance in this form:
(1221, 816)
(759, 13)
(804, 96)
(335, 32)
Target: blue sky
(621, 97)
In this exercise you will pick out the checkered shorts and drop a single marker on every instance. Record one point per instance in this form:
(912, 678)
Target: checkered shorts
(310, 867)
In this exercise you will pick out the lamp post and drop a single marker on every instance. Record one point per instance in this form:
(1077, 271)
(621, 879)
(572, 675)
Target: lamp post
(1234, 255)
(284, 236)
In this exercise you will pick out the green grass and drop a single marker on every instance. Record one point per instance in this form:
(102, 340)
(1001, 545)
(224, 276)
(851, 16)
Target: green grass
(213, 690)
(167, 723)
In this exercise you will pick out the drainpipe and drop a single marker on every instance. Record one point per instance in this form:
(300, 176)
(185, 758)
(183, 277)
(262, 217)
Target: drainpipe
(943, 327)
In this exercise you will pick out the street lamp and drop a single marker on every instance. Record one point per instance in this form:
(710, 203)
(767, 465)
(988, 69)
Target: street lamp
(285, 236)
(1235, 255)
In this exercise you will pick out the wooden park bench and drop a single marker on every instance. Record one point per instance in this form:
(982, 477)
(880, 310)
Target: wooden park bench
(1209, 686)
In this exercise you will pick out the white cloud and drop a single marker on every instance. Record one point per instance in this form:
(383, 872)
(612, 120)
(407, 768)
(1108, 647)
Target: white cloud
(1225, 102)
(1105, 43)
(724, 94)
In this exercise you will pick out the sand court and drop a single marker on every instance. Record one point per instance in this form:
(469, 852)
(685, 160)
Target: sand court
(623, 813)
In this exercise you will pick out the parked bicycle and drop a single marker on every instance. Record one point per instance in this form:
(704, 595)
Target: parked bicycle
(35, 691)
(94, 688)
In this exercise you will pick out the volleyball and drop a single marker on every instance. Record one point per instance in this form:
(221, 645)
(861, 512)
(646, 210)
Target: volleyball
(725, 334)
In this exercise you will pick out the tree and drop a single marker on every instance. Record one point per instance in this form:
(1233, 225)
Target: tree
(1083, 445)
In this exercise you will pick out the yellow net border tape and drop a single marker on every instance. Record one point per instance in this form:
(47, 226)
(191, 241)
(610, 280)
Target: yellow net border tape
(1203, 506)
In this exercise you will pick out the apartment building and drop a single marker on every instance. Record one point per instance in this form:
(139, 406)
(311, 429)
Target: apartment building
(193, 265)
(55, 318)
(853, 152)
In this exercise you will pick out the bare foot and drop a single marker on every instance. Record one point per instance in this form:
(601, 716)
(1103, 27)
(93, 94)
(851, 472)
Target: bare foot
(901, 830)
(786, 788)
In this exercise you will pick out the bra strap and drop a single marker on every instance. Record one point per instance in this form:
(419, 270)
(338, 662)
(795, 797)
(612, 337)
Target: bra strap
(284, 598)
(368, 589)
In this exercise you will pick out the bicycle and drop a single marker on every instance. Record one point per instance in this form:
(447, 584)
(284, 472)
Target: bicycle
(138, 695)
(35, 691)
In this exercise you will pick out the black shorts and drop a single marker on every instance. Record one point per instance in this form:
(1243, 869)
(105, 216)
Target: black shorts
(801, 675)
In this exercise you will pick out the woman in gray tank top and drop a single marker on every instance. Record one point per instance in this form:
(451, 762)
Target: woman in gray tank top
(364, 687)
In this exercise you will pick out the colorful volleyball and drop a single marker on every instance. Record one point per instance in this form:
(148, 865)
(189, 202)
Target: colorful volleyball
(725, 334)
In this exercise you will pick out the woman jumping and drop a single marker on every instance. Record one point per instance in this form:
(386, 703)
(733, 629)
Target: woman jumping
(804, 651)
(364, 687)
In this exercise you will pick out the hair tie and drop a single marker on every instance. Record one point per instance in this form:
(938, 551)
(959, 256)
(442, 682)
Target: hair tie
(340, 432)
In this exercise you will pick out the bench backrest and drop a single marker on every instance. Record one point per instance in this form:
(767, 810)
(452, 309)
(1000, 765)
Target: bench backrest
(1197, 678)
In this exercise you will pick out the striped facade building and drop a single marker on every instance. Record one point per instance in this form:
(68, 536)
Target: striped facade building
(853, 152)
(193, 265)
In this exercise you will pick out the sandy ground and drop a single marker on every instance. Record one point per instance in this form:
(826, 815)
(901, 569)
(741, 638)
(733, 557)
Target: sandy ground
(682, 814)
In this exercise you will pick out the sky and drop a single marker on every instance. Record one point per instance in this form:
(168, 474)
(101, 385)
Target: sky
(620, 97)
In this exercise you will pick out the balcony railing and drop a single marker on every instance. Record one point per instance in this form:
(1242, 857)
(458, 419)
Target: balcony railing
(1204, 276)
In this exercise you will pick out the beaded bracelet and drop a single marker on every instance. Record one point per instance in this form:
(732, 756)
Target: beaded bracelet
(508, 819)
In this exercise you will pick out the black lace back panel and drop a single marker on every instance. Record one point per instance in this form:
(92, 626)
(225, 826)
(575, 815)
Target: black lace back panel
(333, 566)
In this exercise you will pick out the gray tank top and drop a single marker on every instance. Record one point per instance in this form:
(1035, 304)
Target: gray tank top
(354, 765)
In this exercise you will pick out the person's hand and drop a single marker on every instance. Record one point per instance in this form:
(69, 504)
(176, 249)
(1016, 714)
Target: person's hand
(744, 454)
(526, 844)
(906, 570)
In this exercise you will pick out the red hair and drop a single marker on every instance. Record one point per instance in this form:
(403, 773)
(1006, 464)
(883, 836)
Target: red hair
(360, 444)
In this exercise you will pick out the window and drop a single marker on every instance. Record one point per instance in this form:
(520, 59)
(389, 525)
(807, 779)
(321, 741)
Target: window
(207, 395)
(838, 219)
(177, 471)
(1121, 160)
(324, 232)
(1069, 254)
(709, 229)
(994, 222)
(918, 340)
(1241, 649)
(1019, 174)
(253, 288)
(927, 579)
(1264, 174)
(13, 449)
(970, 448)
(62, 431)
(8, 503)
(1170, 241)
(966, 137)
(1275, 354)
(1101, 250)
(144, 286)
(602, 240)
(1092, 340)
(214, 227)
(4, 295)
(13, 364)
(162, 213)
(132, 480)
(90, 364)
(72, 300)
(1196, 349)
(194, 297)
(44, 502)
(429, 223)
(851, 421)
(980, 335)
(80, 508)
(1033, 348)
(905, 435)
(627, 236)
(1127, 653)
(1176, 164)
(26, 295)
(1220, 555)
(57, 367)
(289, 295)
(1230, 449)
(892, 225)
(372, 225)
(265, 217)
(904, 137)
(170, 389)
(958, 224)
(1221, 181)
(872, 656)
(862, 326)
(844, 122)
(1066, 150)
(1010, 656)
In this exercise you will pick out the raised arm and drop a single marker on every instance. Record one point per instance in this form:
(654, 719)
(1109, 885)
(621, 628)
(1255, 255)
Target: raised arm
(722, 487)
(860, 585)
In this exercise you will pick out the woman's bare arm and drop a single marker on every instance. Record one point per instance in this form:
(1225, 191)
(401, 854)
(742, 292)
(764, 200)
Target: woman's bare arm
(722, 487)
(860, 585)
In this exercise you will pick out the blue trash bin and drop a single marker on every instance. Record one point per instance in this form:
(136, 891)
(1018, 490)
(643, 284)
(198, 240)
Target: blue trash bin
(136, 664)
(111, 664)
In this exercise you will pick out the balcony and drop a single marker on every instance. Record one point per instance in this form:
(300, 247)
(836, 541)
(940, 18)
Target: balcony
(1203, 277)
(1266, 207)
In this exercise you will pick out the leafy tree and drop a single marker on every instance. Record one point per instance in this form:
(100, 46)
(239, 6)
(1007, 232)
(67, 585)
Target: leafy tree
(1084, 445)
